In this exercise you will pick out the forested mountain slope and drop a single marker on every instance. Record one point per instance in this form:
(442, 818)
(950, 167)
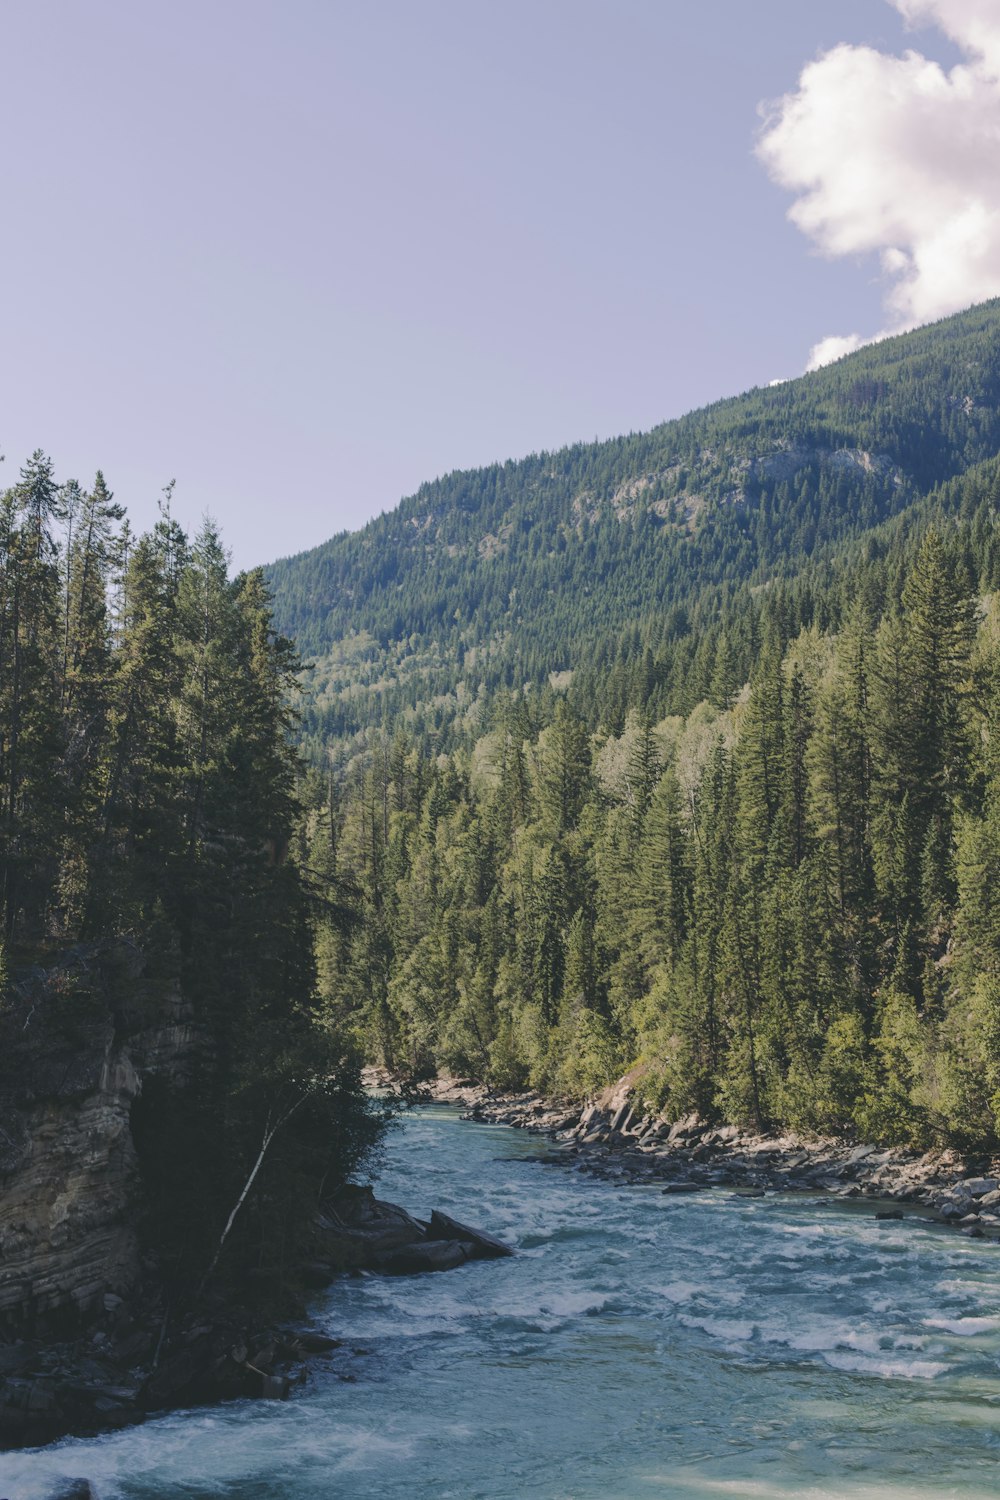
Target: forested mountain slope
(682, 751)
(503, 575)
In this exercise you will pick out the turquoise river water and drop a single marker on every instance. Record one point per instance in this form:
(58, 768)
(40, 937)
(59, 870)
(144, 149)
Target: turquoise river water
(637, 1346)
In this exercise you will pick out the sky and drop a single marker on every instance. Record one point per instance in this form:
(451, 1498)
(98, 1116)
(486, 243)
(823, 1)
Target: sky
(302, 255)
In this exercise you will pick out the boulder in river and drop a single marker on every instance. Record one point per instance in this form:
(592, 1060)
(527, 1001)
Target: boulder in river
(485, 1247)
(424, 1255)
(356, 1228)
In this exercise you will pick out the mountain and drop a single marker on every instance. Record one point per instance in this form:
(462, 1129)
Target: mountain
(681, 754)
(506, 574)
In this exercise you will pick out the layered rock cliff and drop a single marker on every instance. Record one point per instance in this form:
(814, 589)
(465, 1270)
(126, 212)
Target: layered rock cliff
(78, 1040)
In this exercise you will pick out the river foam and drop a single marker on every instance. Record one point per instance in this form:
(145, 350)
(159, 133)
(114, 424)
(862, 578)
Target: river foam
(636, 1346)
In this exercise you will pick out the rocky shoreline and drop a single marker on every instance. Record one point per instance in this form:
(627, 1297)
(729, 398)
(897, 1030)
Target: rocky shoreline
(613, 1136)
(138, 1356)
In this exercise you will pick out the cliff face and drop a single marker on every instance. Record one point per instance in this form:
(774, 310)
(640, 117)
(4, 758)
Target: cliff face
(77, 1042)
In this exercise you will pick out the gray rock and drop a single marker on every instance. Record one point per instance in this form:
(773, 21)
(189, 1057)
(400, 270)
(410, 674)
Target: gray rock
(74, 1489)
(312, 1342)
(978, 1187)
(424, 1255)
(317, 1273)
(486, 1247)
(355, 1227)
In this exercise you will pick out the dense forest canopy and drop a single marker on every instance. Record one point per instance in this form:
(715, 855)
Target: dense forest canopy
(681, 750)
(148, 813)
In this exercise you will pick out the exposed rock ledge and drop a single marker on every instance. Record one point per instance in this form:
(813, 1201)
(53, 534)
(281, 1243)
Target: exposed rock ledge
(87, 1340)
(134, 1359)
(355, 1231)
(72, 1064)
(614, 1136)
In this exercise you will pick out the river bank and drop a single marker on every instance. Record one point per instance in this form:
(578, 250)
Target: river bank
(613, 1137)
(135, 1361)
(636, 1346)
(141, 1355)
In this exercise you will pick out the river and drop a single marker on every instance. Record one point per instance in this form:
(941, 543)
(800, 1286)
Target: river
(638, 1345)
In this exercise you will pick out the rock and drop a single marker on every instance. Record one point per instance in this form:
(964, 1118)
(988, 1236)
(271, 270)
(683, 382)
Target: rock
(892, 1213)
(13, 1357)
(978, 1187)
(69, 1168)
(424, 1255)
(686, 1126)
(673, 1188)
(311, 1342)
(275, 1387)
(316, 1273)
(355, 1228)
(991, 1199)
(486, 1247)
(73, 1489)
(203, 1367)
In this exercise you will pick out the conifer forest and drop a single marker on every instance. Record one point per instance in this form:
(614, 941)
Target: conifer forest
(677, 754)
(149, 797)
(681, 753)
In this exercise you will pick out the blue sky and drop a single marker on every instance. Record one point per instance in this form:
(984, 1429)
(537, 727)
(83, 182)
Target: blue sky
(301, 256)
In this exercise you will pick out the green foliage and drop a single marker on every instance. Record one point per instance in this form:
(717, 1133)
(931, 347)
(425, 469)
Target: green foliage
(625, 568)
(681, 749)
(703, 781)
(148, 801)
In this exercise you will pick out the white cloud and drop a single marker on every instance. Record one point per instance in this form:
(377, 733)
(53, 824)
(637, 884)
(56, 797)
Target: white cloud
(898, 157)
(835, 346)
(973, 24)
